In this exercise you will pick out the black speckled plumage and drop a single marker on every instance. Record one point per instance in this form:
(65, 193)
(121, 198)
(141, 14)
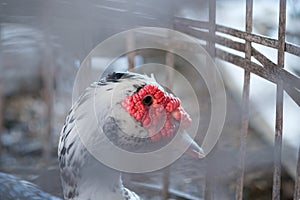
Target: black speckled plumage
(82, 175)
(77, 166)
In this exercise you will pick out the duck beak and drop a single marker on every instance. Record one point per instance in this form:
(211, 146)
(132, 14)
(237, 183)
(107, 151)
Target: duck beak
(193, 149)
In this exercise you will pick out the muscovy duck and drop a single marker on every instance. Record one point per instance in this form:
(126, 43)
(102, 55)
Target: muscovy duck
(149, 117)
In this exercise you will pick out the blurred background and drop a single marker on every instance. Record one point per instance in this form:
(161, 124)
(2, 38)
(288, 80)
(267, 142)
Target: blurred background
(43, 43)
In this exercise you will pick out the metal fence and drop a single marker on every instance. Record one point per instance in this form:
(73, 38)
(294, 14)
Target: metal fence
(213, 34)
(273, 72)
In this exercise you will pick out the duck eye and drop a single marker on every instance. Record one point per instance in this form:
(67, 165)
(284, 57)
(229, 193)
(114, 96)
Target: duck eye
(147, 100)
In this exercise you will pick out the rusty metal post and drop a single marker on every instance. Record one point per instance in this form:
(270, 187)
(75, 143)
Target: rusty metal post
(169, 61)
(212, 28)
(166, 183)
(170, 73)
(279, 103)
(245, 106)
(130, 55)
(210, 178)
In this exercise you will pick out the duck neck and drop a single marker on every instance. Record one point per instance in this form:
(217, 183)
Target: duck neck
(99, 182)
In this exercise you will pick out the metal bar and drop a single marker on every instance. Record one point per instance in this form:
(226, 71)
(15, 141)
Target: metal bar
(272, 68)
(293, 49)
(245, 106)
(130, 55)
(187, 46)
(266, 41)
(263, 40)
(230, 43)
(237, 33)
(233, 32)
(209, 186)
(292, 92)
(243, 136)
(210, 175)
(212, 27)
(278, 143)
(297, 180)
(270, 75)
(169, 61)
(217, 39)
(274, 75)
(170, 73)
(267, 63)
(191, 22)
(193, 32)
(279, 103)
(166, 183)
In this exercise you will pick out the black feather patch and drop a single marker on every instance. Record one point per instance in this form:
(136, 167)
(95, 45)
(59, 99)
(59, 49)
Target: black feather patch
(138, 87)
(116, 76)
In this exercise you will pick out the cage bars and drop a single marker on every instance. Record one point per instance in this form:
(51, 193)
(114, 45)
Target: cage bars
(169, 61)
(279, 104)
(210, 178)
(245, 105)
(212, 27)
(190, 25)
(166, 183)
(131, 55)
(266, 69)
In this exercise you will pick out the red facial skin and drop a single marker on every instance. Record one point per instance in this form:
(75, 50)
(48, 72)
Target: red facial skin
(162, 112)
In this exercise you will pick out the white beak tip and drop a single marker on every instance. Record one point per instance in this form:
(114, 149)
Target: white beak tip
(199, 153)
